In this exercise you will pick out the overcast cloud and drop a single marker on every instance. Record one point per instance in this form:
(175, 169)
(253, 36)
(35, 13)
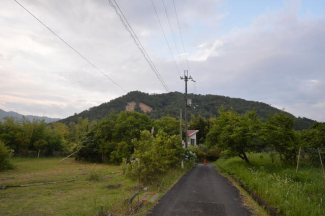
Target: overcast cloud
(277, 57)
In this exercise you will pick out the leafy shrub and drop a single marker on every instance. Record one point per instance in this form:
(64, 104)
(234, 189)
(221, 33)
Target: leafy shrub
(189, 155)
(194, 149)
(213, 154)
(201, 156)
(203, 148)
(226, 154)
(95, 176)
(5, 155)
(154, 156)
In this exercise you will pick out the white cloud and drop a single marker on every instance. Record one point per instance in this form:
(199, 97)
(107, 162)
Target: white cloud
(277, 60)
(206, 50)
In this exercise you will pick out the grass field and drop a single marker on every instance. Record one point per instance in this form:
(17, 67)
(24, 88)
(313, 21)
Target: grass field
(291, 193)
(88, 195)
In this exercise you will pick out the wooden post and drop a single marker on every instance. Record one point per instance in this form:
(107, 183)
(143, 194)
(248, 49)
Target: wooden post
(70, 155)
(321, 162)
(298, 159)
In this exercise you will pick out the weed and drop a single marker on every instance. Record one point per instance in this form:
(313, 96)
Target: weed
(94, 176)
(289, 192)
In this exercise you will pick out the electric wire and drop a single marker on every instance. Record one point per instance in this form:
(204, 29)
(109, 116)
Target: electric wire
(128, 27)
(170, 26)
(195, 90)
(180, 32)
(154, 7)
(70, 46)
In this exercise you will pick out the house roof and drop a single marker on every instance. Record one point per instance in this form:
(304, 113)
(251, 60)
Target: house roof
(191, 132)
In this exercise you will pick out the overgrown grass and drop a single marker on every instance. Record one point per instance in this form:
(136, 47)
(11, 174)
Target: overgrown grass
(291, 193)
(93, 193)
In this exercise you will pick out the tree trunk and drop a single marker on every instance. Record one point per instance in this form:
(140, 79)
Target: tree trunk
(244, 157)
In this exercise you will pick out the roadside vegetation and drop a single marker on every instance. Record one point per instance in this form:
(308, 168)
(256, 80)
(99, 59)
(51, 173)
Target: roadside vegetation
(281, 165)
(289, 192)
(5, 155)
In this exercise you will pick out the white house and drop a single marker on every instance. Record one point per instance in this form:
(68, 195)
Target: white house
(192, 137)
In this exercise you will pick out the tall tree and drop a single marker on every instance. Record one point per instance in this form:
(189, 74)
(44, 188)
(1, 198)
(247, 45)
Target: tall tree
(202, 124)
(237, 133)
(168, 125)
(279, 133)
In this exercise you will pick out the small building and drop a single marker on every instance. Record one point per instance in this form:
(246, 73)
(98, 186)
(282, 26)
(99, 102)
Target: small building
(192, 137)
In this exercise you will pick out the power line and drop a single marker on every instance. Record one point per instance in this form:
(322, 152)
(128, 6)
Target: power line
(180, 32)
(70, 46)
(165, 37)
(128, 27)
(170, 26)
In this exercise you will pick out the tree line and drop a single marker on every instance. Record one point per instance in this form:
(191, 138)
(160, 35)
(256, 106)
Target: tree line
(239, 134)
(118, 137)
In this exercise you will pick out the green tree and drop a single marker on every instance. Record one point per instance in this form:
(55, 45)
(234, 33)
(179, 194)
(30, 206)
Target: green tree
(104, 135)
(123, 150)
(168, 125)
(279, 133)
(237, 133)
(5, 157)
(61, 131)
(10, 133)
(154, 156)
(202, 124)
(89, 148)
(129, 126)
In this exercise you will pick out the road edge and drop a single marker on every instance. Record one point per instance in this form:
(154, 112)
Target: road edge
(172, 185)
(247, 199)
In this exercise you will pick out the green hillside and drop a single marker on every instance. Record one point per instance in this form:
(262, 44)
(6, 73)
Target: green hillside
(170, 104)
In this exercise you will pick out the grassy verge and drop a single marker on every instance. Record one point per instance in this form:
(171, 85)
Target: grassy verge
(248, 201)
(99, 188)
(291, 193)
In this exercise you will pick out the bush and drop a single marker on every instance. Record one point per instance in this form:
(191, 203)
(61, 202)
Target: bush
(154, 156)
(213, 154)
(189, 155)
(95, 176)
(5, 155)
(226, 154)
(203, 148)
(201, 156)
(194, 149)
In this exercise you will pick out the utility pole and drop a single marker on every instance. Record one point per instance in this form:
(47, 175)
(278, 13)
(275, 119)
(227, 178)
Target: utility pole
(180, 124)
(186, 78)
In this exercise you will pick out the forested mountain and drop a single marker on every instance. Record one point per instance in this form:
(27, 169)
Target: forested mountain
(158, 105)
(29, 117)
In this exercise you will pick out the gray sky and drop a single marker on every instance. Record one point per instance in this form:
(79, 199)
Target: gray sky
(268, 51)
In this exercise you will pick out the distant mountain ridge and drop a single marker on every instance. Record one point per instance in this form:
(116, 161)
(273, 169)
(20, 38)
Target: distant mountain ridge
(29, 117)
(158, 105)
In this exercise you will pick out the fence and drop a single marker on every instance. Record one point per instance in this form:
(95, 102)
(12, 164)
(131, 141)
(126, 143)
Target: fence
(36, 154)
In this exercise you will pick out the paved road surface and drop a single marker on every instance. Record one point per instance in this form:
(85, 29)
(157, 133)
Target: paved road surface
(201, 191)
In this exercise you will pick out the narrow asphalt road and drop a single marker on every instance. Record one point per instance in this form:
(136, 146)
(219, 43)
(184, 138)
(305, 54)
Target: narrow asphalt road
(201, 191)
